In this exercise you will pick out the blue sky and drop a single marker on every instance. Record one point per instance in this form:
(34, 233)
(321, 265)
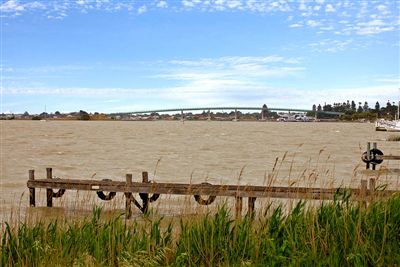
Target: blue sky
(111, 56)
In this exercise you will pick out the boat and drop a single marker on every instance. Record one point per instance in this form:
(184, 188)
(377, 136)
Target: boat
(393, 126)
(380, 125)
(293, 117)
(389, 126)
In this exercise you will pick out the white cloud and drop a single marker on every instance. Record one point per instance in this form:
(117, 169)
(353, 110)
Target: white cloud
(372, 27)
(383, 9)
(234, 4)
(142, 9)
(313, 23)
(162, 4)
(302, 5)
(11, 6)
(329, 8)
(296, 25)
(187, 3)
(331, 46)
(217, 93)
(344, 17)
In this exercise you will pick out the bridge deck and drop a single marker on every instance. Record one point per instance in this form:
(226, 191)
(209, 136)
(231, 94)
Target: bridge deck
(228, 108)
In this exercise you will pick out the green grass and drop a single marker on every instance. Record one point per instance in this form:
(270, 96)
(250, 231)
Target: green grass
(336, 233)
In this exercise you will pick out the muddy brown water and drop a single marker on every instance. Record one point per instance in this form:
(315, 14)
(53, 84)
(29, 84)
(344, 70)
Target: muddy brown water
(325, 154)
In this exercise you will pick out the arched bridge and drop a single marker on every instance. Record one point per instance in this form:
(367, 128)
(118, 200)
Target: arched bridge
(182, 110)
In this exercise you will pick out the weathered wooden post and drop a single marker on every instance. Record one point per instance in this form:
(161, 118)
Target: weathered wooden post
(145, 196)
(32, 201)
(363, 193)
(239, 207)
(209, 115)
(251, 203)
(374, 146)
(372, 186)
(368, 154)
(128, 195)
(49, 191)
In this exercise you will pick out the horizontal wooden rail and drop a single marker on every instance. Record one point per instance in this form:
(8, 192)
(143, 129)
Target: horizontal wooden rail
(387, 157)
(191, 189)
(380, 172)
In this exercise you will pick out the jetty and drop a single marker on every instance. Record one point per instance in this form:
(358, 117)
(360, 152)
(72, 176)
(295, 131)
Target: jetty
(206, 193)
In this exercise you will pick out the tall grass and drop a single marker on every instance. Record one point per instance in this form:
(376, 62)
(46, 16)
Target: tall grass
(335, 233)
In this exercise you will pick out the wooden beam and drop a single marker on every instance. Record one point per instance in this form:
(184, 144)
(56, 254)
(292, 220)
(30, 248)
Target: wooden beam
(251, 205)
(387, 157)
(32, 197)
(49, 190)
(192, 189)
(380, 172)
(239, 207)
(128, 195)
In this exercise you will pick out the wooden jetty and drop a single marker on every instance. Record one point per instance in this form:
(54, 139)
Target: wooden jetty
(205, 193)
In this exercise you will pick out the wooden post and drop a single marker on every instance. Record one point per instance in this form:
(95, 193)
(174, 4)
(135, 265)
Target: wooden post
(128, 202)
(32, 201)
(372, 186)
(209, 115)
(363, 193)
(145, 196)
(49, 191)
(239, 207)
(374, 146)
(251, 203)
(368, 154)
(235, 114)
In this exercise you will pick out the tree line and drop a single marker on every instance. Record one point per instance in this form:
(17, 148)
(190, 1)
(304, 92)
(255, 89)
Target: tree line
(360, 110)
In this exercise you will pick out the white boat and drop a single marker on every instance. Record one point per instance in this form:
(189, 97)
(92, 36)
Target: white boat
(393, 126)
(390, 126)
(380, 125)
(292, 117)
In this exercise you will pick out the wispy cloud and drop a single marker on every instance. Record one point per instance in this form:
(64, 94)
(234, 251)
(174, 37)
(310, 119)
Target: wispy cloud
(213, 82)
(142, 9)
(331, 45)
(360, 17)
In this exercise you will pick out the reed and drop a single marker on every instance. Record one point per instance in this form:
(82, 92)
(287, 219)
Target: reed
(334, 233)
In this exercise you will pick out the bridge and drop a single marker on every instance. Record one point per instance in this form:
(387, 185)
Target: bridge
(235, 108)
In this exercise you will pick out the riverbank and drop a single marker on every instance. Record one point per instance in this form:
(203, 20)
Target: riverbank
(333, 234)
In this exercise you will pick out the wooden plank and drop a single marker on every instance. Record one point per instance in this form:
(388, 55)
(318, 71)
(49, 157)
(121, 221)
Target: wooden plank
(128, 208)
(239, 207)
(32, 198)
(380, 172)
(372, 186)
(387, 157)
(251, 205)
(49, 190)
(191, 189)
(198, 188)
(364, 192)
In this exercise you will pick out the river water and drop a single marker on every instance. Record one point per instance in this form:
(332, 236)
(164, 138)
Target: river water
(322, 154)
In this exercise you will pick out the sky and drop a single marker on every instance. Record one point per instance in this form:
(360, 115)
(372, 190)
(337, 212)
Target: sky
(121, 56)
